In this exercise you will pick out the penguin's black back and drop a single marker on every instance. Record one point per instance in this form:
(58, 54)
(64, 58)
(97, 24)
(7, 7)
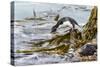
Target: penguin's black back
(62, 20)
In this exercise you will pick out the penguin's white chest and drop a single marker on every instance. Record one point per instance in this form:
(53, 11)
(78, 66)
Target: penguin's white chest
(65, 24)
(64, 27)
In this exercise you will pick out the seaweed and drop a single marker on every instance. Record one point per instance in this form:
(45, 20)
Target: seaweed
(58, 50)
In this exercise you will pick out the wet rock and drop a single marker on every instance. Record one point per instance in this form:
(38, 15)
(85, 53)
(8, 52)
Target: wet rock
(88, 50)
(75, 59)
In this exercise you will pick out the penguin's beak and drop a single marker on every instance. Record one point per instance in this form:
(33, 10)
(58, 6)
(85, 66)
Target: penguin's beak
(57, 17)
